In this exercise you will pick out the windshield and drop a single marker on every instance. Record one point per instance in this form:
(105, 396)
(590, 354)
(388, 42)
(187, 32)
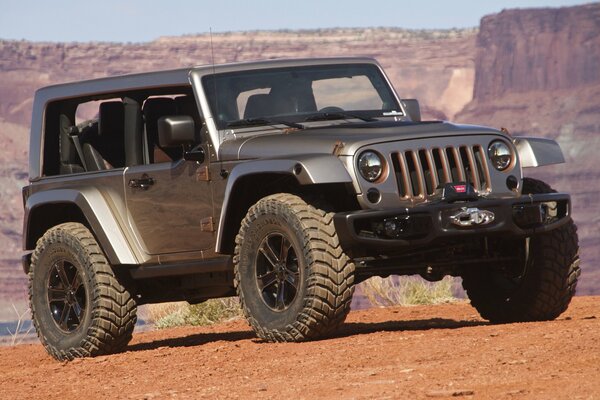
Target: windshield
(298, 94)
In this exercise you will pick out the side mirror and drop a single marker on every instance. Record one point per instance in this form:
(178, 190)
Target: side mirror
(176, 130)
(413, 109)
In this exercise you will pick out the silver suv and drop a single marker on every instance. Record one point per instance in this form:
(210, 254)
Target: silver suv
(286, 182)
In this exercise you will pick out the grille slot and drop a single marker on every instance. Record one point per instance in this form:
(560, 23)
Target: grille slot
(420, 172)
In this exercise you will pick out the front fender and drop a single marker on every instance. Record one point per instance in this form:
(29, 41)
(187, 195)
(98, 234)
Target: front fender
(97, 213)
(307, 169)
(536, 152)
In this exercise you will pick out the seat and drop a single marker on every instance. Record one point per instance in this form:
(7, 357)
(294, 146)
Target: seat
(155, 108)
(258, 105)
(186, 105)
(70, 163)
(304, 99)
(106, 149)
(295, 96)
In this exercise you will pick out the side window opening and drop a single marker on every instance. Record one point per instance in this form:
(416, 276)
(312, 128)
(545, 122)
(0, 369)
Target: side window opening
(94, 133)
(103, 144)
(107, 133)
(157, 107)
(153, 109)
(54, 138)
(84, 135)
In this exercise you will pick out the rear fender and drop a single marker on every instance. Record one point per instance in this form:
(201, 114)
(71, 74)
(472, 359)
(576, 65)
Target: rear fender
(97, 213)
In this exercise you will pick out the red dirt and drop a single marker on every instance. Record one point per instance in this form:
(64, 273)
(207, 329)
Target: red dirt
(400, 352)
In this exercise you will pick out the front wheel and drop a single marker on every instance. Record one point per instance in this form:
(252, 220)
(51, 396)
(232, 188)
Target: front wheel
(78, 306)
(538, 289)
(292, 277)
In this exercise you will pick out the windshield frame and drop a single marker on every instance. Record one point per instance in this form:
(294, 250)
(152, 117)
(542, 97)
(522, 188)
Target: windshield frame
(371, 70)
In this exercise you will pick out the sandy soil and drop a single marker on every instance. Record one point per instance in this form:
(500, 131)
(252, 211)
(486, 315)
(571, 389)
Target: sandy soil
(411, 353)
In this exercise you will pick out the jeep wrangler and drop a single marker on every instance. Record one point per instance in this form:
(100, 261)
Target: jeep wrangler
(285, 182)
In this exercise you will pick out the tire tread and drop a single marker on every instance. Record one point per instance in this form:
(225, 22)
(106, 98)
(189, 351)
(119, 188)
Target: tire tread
(547, 289)
(114, 311)
(331, 273)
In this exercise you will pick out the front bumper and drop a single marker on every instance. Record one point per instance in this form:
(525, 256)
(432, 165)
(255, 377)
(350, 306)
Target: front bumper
(422, 224)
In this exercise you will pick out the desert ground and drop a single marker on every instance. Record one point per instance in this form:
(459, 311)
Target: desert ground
(417, 352)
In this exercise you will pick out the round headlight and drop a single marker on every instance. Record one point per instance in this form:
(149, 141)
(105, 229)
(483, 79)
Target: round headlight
(370, 165)
(500, 155)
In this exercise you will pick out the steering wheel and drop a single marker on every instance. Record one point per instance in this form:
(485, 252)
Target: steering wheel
(331, 109)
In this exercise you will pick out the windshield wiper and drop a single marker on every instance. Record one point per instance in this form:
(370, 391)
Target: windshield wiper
(325, 116)
(263, 121)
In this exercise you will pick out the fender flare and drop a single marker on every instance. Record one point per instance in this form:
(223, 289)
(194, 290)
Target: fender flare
(307, 169)
(98, 214)
(537, 152)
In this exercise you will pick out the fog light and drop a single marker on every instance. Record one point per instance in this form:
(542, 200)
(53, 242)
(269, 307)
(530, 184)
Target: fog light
(528, 215)
(394, 227)
(373, 195)
(391, 228)
(512, 182)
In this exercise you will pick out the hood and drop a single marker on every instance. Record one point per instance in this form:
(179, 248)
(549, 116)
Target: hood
(281, 143)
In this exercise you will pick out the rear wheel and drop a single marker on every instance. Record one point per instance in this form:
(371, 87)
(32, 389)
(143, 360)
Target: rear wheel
(78, 306)
(292, 277)
(541, 286)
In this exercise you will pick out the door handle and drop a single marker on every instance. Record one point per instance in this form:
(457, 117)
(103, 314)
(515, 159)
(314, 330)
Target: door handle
(142, 183)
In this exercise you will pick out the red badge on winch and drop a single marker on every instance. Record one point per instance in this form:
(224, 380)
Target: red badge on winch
(460, 188)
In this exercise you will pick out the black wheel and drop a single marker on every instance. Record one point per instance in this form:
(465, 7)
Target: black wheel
(540, 286)
(78, 306)
(293, 279)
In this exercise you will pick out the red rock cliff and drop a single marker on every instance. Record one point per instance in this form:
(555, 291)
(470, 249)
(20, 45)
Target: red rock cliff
(538, 73)
(542, 49)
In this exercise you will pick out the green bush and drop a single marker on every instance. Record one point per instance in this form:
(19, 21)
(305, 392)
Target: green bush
(407, 290)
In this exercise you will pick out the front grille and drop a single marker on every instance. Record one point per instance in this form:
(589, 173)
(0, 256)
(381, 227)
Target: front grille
(420, 172)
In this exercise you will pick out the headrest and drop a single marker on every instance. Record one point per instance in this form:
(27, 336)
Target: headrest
(186, 105)
(158, 107)
(111, 119)
(154, 109)
(258, 105)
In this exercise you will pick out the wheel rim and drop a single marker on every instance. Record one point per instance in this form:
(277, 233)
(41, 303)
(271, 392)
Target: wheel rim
(277, 272)
(66, 295)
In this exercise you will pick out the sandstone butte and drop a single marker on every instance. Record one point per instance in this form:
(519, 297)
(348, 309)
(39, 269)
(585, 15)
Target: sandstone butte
(533, 71)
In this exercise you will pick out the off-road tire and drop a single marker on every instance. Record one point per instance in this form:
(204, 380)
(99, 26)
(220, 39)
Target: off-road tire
(547, 285)
(326, 281)
(109, 315)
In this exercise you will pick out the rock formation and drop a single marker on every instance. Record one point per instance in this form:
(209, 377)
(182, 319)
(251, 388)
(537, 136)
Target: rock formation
(537, 73)
(531, 71)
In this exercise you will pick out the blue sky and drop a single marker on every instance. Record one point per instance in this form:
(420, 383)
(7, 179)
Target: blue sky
(145, 20)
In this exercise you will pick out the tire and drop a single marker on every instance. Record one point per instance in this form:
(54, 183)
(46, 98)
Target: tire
(308, 295)
(78, 307)
(545, 284)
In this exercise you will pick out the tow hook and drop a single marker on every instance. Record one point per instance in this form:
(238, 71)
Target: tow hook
(472, 216)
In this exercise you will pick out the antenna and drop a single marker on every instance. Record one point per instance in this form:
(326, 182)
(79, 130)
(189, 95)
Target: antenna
(212, 52)
(223, 173)
(212, 56)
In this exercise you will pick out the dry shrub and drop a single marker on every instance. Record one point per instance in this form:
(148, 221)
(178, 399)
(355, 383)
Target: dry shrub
(407, 290)
(167, 315)
(20, 332)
